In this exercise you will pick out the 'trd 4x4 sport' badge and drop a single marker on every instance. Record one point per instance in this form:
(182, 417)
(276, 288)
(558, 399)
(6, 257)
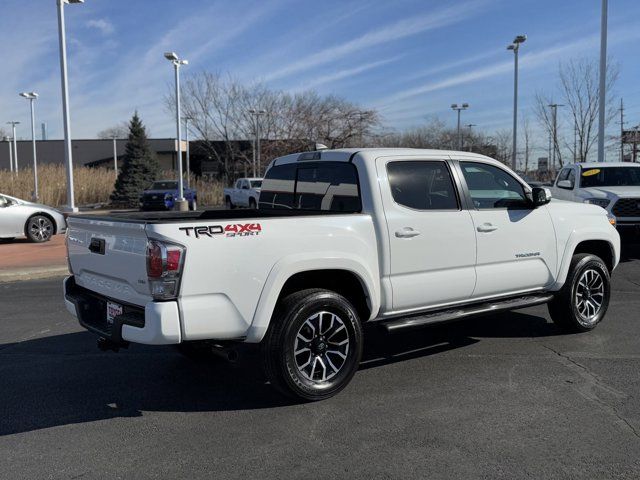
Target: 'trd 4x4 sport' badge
(230, 230)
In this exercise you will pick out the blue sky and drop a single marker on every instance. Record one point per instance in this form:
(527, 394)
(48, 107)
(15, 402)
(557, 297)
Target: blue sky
(409, 58)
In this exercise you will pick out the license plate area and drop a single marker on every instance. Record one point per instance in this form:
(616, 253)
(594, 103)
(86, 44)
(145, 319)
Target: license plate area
(113, 310)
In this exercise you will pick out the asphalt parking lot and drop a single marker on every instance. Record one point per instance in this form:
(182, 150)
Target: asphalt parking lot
(500, 397)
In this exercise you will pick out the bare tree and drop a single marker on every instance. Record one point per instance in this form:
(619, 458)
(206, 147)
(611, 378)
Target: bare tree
(219, 110)
(578, 90)
(121, 130)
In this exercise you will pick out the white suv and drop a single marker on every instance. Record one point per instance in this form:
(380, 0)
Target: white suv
(612, 186)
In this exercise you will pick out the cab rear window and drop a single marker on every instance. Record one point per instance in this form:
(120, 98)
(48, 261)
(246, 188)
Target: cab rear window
(326, 186)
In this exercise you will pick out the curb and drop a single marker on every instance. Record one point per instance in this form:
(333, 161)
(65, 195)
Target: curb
(32, 273)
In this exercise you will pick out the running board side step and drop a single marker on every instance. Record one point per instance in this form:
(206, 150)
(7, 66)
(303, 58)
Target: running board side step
(459, 313)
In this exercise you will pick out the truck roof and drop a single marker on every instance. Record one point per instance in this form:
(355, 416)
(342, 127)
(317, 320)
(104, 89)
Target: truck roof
(345, 154)
(606, 164)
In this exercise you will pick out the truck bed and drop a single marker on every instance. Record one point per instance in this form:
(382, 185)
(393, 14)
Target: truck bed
(211, 214)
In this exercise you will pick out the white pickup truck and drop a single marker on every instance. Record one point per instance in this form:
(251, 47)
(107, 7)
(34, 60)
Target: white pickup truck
(612, 186)
(245, 193)
(402, 237)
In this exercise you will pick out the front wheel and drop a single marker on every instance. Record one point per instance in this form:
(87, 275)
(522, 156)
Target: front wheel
(252, 204)
(39, 229)
(583, 300)
(314, 344)
(228, 203)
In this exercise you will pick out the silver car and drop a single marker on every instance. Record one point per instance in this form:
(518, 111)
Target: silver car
(37, 222)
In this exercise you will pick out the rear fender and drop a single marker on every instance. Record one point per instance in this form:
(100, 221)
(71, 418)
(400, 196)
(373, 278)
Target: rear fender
(287, 267)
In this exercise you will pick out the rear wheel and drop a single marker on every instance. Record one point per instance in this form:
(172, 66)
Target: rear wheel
(252, 203)
(39, 228)
(583, 300)
(314, 344)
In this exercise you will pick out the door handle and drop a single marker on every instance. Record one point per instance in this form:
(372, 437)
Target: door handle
(486, 227)
(407, 232)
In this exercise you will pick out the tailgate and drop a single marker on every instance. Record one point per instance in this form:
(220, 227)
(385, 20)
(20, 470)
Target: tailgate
(109, 258)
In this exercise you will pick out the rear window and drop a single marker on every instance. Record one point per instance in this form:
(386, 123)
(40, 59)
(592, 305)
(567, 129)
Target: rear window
(328, 186)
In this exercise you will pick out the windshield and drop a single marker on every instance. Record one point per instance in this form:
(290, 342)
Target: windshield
(164, 186)
(610, 177)
(256, 183)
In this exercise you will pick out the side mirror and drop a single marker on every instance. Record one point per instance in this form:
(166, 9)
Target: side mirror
(566, 184)
(540, 196)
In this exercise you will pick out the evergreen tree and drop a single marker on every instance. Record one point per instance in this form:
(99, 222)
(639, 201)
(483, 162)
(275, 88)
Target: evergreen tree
(139, 168)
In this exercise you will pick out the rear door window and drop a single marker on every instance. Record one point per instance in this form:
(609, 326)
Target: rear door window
(422, 185)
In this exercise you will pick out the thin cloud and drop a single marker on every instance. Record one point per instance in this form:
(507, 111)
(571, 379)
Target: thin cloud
(348, 73)
(396, 31)
(104, 26)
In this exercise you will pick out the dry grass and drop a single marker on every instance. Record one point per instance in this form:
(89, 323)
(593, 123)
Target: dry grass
(92, 185)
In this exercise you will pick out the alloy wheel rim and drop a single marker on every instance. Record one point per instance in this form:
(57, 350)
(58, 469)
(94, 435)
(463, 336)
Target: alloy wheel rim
(589, 295)
(321, 347)
(41, 228)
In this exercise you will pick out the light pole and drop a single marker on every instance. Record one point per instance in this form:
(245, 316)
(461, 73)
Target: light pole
(15, 145)
(459, 108)
(8, 139)
(180, 204)
(68, 155)
(115, 155)
(256, 114)
(515, 46)
(470, 127)
(603, 79)
(187, 152)
(31, 96)
(554, 117)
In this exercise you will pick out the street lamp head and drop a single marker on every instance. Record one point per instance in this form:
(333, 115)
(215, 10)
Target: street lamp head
(511, 47)
(465, 105)
(520, 39)
(73, 1)
(171, 56)
(183, 62)
(454, 105)
(29, 95)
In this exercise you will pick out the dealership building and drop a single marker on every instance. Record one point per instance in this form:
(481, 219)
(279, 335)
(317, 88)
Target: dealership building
(86, 153)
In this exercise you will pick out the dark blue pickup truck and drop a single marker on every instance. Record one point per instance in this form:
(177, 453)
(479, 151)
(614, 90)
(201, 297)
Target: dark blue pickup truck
(162, 194)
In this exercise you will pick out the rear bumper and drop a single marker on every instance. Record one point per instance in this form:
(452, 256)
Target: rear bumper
(158, 323)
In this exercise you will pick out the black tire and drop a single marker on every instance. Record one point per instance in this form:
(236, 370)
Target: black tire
(39, 228)
(229, 204)
(285, 370)
(252, 204)
(575, 307)
(193, 205)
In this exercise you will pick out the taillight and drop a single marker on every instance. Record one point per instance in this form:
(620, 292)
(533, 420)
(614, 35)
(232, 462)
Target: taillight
(164, 268)
(154, 260)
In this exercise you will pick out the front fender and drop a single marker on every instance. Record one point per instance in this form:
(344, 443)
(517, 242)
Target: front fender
(582, 235)
(289, 266)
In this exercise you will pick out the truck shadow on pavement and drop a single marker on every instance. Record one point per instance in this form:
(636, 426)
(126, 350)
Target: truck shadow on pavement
(64, 379)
